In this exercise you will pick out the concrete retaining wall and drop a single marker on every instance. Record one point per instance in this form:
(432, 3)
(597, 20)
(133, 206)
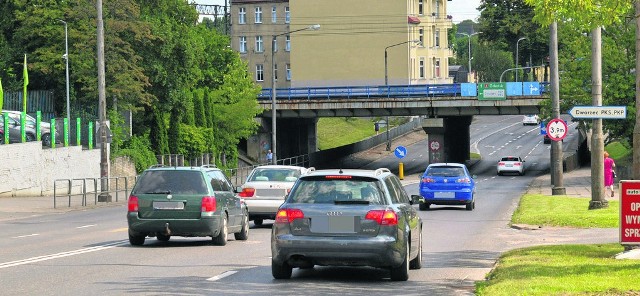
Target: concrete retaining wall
(29, 170)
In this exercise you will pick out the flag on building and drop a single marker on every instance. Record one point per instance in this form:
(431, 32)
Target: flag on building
(25, 76)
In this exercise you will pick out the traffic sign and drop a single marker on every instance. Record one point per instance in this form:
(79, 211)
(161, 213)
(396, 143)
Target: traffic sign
(557, 129)
(400, 151)
(492, 91)
(598, 112)
(629, 212)
(434, 145)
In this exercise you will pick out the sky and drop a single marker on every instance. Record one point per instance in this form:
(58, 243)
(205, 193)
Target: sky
(460, 10)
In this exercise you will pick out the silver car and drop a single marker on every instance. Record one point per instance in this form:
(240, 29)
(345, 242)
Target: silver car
(347, 218)
(266, 187)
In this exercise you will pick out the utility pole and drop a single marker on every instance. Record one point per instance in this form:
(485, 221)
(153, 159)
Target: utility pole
(102, 109)
(556, 146)
(597, 139)
(636, 128)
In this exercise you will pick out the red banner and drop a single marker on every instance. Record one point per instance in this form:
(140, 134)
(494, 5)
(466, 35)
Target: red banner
(630, 212)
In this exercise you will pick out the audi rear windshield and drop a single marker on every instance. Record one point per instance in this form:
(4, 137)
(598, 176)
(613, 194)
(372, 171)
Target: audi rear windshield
(337, 190)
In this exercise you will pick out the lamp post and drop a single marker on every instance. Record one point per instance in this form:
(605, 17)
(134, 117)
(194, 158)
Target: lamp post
(469, 36)
(66, 59)
(517, 61)
(273, 88)
(386, 80)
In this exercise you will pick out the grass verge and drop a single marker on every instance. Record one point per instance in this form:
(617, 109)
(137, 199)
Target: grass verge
(566, 211)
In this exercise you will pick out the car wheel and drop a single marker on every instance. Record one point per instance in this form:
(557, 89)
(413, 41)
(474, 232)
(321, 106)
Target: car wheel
(244, 231)
(257, 222)
(423, 206)
(30, 137)
(46, 140)
(401, 273)
(471, 205)
(162, 237)
(416, 263)
(221, 239)
(280, 271)
(136, 240)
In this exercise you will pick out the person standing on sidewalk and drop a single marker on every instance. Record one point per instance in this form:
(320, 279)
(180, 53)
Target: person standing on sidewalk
(269, 157)
(609, 165)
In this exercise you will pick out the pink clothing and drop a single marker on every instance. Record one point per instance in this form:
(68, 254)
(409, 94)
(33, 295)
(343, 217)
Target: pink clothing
(608, 171)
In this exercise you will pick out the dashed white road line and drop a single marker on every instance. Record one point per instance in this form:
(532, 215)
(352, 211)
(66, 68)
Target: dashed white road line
(221, 276)
(28, 235)
(86, 226)
(63, 254)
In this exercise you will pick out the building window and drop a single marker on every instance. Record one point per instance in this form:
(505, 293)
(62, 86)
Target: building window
(436, 38)
(259, 72)
(288, 72)
(287, 46)
(243, 44)
(287, 15)
(436, 67)
(421, 68)
(259, 45)
(274, 44)
(275, 72)
(420, 7)
(437, 10)
(274, 15)
(421, 36)
(242, 15)
(258, 15)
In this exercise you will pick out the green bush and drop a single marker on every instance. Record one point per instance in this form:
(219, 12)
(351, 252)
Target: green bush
(138, 148)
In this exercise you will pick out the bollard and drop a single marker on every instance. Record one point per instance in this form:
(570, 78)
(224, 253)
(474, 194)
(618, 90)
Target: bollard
(401, 171)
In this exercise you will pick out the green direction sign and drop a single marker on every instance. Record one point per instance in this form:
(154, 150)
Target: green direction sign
(492, 91)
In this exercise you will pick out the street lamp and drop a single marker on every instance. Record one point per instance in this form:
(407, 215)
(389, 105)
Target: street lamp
(469, 36)
(273, 88)
(66, 59)
(386, 80)
(517, 61)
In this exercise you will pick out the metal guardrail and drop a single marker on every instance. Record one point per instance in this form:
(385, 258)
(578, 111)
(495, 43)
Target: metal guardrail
(80, 184)
(239, 175)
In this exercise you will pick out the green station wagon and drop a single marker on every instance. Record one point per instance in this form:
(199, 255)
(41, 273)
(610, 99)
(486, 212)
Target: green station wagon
(188, 202)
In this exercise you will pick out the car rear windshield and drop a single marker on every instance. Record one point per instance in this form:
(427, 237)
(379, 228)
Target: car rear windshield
(275, 174)
(445, 171)
(509, 159)
(323, 190)
(171, 182)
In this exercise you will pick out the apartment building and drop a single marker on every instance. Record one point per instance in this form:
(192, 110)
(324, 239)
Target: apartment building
(349, 48)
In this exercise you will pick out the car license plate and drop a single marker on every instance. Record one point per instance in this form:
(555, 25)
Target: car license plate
(168, 205)
(444, 195)
(509, 165)
(333, 224)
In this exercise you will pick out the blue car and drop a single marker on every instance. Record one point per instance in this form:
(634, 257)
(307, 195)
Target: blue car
(447, 184)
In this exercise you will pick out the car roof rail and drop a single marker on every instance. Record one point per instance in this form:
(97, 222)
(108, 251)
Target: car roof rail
(206, 166)
(381, 171)
(157, 166)
(310, 169)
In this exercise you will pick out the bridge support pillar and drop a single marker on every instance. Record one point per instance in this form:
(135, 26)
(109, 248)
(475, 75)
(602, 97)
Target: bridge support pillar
(448, 138)
(295, 136)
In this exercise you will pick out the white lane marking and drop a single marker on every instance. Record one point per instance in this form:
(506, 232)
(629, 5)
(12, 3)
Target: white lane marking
(86, 226)
(28, 235)
(221, 276)
(62, 254)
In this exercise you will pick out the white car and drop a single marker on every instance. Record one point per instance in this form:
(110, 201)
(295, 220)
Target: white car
(266, 188)
(530, 120)
(511, 164)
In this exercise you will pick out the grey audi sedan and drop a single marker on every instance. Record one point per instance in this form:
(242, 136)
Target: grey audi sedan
(347, 218)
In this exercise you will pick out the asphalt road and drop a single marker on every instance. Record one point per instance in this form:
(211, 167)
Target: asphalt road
(87, 252)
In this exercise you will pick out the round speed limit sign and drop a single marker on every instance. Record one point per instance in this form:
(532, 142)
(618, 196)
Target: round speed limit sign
(557, 129)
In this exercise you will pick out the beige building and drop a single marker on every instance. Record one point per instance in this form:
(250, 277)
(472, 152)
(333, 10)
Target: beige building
(349, 48)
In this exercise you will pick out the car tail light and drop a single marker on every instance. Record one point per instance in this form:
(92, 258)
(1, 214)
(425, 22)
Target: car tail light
(133, 203)
(463, 180)
(517, 164)
(208, 204)
(247, 192)
(500, 163)
(288, 215)
(383, 217)
(428, 180)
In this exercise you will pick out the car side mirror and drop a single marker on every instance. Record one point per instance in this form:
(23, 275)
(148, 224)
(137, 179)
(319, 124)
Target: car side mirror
(415, 199)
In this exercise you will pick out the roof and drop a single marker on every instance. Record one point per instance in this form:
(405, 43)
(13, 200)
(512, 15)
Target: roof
(351, 172)
(277, 166)
(453, 164)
